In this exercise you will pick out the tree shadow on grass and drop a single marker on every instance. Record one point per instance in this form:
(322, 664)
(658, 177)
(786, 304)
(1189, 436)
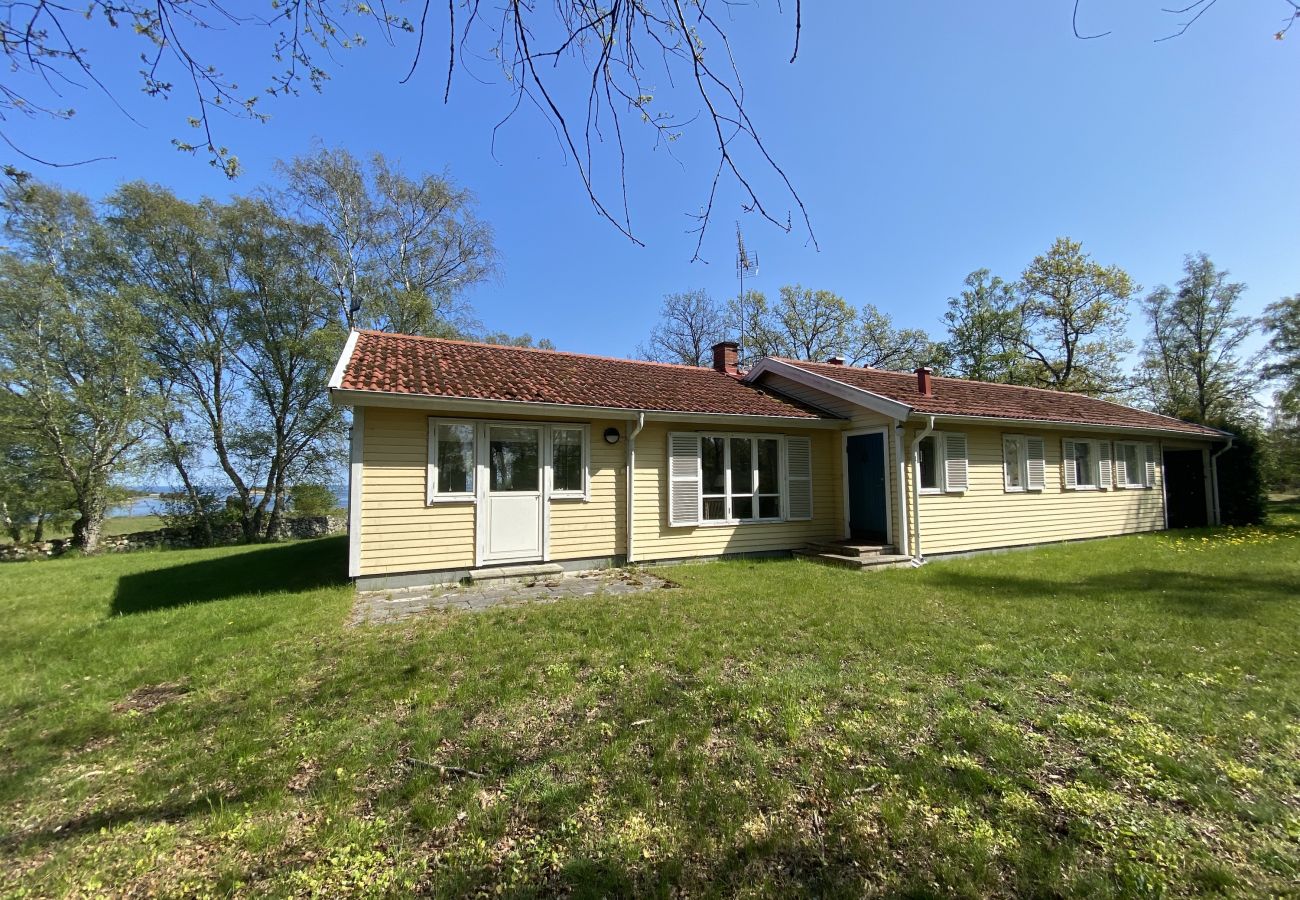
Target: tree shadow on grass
(272, 568)
(114, 817)
(1191, 594)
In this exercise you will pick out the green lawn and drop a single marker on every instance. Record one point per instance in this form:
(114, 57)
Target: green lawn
(1111, 718)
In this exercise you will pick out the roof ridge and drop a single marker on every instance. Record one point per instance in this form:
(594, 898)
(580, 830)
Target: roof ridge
(467, 343)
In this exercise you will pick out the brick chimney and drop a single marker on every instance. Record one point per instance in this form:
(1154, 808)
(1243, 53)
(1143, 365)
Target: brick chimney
(835, 360)
(725, 357)
(924, 382)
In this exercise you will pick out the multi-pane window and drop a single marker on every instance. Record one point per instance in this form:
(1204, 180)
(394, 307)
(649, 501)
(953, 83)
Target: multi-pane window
(1135, 464)
(515, 458)
(1086, 464)
(453, 453)
(740, 478)
(567, 469)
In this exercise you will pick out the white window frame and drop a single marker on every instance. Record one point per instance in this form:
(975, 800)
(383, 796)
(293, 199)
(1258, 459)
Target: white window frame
(585, 436)
(1026, 482)
(755, 494)
(480, 426)
(432, 494)
(1142, 449)
(1021, 443)
(728, 496)
(941, 464)
(1099, 456)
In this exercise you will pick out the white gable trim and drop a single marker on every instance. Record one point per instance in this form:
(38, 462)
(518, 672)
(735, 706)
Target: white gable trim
(336, 377)
(866, 399)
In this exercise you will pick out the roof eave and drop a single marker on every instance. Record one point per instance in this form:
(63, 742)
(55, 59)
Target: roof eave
(1058, 425)
(473, 405)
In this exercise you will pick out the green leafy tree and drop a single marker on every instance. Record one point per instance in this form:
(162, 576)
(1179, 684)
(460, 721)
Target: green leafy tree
(875, 341)
(34, 495)
(802, 324)
(72, 361)
(986, 331)
(312, 499)
(505, 339)
(289, 340)
(399, 251)
(1281, 320)
(1191, 368)
(1074, 312)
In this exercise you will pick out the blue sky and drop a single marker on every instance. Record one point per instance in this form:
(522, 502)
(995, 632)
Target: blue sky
(927, 140)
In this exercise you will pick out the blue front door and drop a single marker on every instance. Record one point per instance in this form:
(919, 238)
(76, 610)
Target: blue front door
(867, 485)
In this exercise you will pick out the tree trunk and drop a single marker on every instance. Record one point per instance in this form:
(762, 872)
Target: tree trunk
(38, 533)
(89, 525)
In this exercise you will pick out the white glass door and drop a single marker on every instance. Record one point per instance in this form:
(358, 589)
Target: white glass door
(512, 506)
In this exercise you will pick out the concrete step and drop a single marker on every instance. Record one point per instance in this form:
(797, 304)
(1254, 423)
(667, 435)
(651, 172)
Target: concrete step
(852, 548)
(525, 572)
(860, 563)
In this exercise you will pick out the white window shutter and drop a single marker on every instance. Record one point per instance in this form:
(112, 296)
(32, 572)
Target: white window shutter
(1068, 472)
(956, 468)
(683, 479)
(798, 478)
(1105, 470)
(1121, 467)
(1149, 451)
(1036, 466)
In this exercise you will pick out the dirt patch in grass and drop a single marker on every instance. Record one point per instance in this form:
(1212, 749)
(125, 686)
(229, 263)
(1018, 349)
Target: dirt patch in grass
(149, 697)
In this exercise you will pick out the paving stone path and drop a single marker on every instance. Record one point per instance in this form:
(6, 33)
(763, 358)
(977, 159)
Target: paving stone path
(394, 605)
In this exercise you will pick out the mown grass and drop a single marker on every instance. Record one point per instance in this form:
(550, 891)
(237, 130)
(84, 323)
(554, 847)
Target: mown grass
(1115, 718)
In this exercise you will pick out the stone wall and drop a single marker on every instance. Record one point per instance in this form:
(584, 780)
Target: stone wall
(300, 527)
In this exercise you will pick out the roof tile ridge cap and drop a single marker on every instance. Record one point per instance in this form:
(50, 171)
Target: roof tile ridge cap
(542, 350)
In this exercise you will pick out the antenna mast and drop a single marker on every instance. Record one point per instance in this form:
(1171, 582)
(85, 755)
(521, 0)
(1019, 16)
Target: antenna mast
(746, 264)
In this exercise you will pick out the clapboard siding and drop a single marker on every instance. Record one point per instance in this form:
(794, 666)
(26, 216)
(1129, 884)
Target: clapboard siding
(655, 539)
(399, 532)
(988, 516)
(596, 527)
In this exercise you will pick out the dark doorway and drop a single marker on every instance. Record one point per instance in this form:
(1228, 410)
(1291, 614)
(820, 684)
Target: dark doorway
(1185, 488)
(868, 520)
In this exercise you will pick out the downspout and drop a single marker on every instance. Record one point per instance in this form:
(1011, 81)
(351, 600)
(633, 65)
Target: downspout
(1214, 480)
(917, 558)
(904, 538)
(631, 483)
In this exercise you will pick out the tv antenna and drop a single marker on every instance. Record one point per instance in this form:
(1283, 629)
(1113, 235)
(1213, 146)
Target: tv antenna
(746, 265)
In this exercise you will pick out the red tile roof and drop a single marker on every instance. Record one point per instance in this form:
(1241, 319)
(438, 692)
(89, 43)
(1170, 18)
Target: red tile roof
(959, 397)
(431, 367)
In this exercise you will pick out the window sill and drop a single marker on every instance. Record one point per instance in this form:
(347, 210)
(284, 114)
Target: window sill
(443, 499)
(931, 492)
(570, 497)
(1084, 487)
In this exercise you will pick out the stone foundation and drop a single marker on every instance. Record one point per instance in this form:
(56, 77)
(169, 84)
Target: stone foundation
(301, 527)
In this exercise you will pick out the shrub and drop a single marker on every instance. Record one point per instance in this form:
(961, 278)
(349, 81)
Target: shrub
(312, 500)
